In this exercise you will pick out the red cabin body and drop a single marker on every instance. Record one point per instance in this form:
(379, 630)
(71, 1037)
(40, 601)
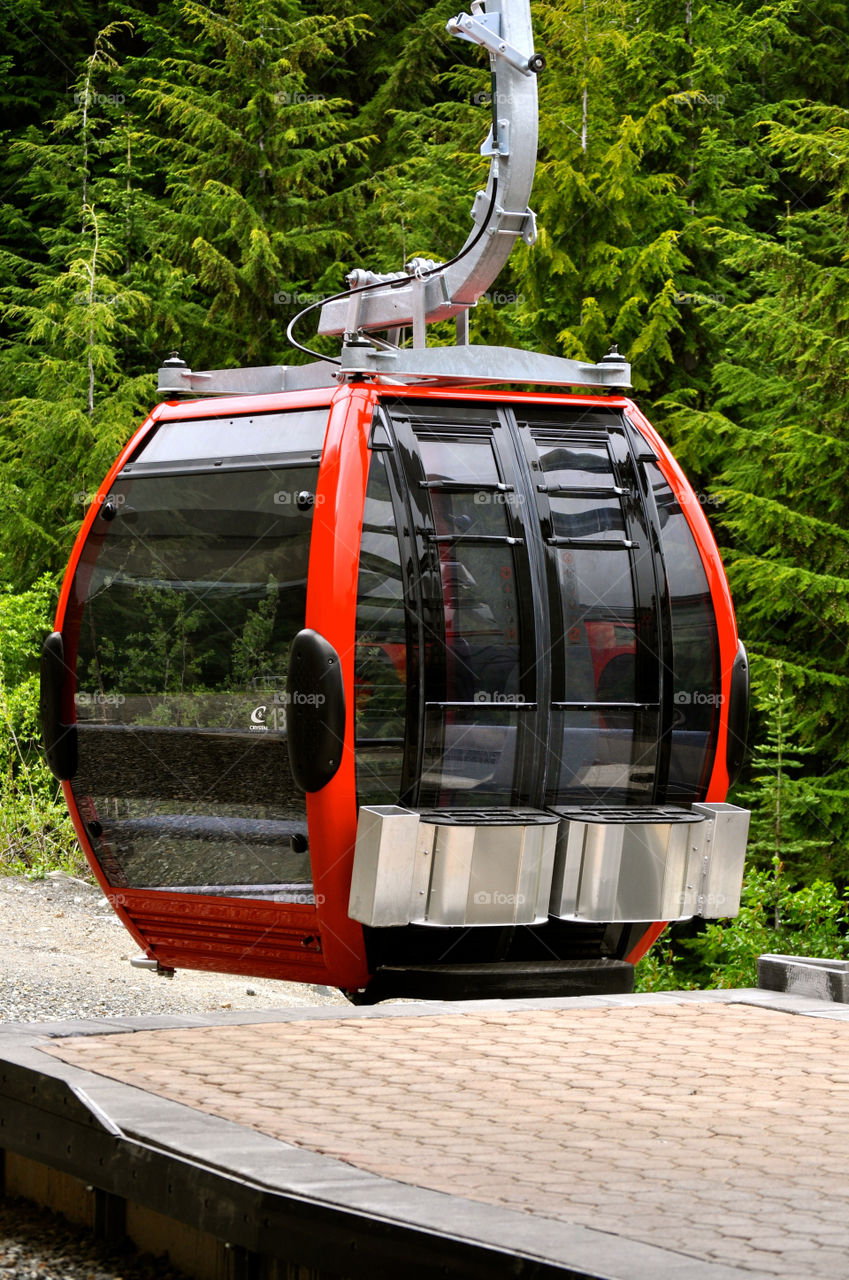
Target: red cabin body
(493, 610)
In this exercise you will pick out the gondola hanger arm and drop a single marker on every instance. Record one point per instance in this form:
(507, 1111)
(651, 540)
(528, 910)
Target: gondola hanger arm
(427, 291)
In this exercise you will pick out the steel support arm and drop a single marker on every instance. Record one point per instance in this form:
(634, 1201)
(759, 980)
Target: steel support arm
(427, 295)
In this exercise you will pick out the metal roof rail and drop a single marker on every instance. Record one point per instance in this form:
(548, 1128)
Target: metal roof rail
(475, 365)
(445, 366)
(176, 378)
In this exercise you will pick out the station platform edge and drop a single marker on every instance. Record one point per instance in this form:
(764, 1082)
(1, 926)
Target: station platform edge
(697, 1134)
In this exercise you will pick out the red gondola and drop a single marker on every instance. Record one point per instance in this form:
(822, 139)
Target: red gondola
(380, 676)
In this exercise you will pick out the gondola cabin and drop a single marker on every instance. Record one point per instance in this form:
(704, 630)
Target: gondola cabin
(405, 689)
(391, 673)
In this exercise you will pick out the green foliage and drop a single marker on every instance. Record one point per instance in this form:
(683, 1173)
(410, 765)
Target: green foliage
(36, 834)
(24, 620)
(789, 827)
(255, 149)
(35, 829)
(776, 443)
(649, 147)
(774, 918)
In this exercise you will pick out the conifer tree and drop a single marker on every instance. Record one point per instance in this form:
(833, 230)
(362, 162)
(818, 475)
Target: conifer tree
(783, 802)
(647, 146)
(253, 149)
(69, 399)
(777, 441)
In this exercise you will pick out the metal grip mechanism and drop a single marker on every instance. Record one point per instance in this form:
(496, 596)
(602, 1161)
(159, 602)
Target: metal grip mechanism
(500, 213)
(485, 29)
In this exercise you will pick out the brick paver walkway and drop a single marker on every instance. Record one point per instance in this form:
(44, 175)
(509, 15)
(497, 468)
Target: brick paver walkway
(720, 1130)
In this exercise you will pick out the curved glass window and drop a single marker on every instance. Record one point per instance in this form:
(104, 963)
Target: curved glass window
(473, 669)
(603, 744)
(696, 678)
(602, 756)
(380, 657)
(599, 618)
(188, 594)
(234, 440)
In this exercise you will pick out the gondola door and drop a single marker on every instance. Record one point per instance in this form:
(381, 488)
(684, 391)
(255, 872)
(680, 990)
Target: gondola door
(188, 591)
(610, 651)
(475, 590)
(539, 607)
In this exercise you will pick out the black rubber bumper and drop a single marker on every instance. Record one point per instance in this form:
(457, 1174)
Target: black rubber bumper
(508, 981)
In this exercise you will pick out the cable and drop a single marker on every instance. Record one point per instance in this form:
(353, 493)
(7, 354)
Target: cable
(388, 284)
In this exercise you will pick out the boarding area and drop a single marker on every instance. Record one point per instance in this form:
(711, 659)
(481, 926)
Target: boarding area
(698, 1134)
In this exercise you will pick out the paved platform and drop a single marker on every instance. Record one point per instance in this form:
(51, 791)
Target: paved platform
(697, 1134)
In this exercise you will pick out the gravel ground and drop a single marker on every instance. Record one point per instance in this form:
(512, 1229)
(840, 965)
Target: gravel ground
(65, 954)
(36, 1245)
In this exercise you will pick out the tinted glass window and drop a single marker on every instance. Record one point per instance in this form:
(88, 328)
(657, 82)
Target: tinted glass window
(477, 568)
(602, 756)
(587, 519)
(481, 622)
(578, 466)
(597, 754)
(261, 435)
(470, 513)
(470, 756)
(696, 676)
(459, 461)
(597, 598)
(380, 659)
(189, 600)
(472, 663)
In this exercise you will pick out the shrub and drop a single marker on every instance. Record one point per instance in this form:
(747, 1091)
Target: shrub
(36, 834)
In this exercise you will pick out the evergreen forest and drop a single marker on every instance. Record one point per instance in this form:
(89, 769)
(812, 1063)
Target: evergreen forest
(182, 175)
